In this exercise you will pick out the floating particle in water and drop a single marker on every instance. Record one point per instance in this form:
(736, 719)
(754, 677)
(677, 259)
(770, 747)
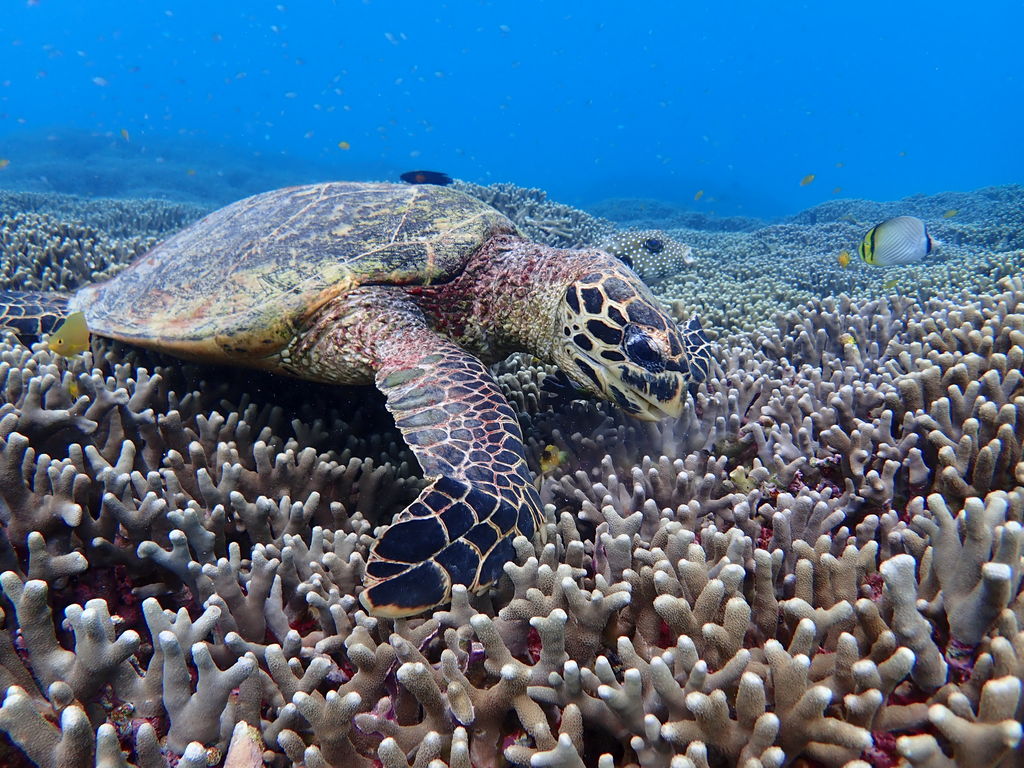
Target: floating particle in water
(840, 164)
(837, 190)
(698, 194)
(191, 172)
(102, 82)
(806, 179)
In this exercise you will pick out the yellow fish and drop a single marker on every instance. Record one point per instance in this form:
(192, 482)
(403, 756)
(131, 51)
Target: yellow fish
(950, 213)
(837, 190)
(191, 171)
(846, 339)
(699, 194)
(806, 179)
(71, 337)
(124, 134)
(4, 162)
(344, 145)
(551, 458)
(888, 285)
(844, 259)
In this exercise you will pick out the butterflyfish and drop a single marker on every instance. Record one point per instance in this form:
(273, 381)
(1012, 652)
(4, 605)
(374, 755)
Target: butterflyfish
(71, 337)
(426, 177)
(903, 240)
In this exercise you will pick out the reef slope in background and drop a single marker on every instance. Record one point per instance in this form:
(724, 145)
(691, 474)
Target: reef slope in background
(820, 561)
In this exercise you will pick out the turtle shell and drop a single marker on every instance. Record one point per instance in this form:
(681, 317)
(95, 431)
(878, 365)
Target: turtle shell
(237, 285)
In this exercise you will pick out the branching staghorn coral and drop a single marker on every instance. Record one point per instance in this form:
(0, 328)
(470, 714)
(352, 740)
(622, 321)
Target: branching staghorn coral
(788, 573)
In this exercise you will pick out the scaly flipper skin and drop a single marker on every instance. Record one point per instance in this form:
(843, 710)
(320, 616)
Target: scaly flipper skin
(31, 313)
(467, 439)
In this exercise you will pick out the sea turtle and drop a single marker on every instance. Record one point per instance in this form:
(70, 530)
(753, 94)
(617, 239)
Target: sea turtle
(413, 288)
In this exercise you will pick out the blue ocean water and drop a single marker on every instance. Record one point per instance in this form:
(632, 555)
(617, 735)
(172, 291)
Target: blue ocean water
(734, 103)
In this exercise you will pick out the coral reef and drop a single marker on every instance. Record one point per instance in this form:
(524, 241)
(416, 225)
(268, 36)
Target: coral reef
(795, 260)
(540, 219)
(819, 564)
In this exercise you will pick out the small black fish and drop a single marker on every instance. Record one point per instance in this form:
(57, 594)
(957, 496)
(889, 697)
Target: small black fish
(426, 177)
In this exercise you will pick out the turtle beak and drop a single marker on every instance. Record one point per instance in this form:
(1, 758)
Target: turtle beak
(656, 409)
(644, 395)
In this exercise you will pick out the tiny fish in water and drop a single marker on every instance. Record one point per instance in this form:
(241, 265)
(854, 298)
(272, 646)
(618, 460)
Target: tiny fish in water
(903, 240)
(426, 177)
(891, 283)
(4, 162)
(71, 337)
(344, 145)
(806, 179)
(844, 259)
(950, 213)
(124, 134)
(551, 458)
(698, 194)
(846, 339)
(837, 190)
(191, 171)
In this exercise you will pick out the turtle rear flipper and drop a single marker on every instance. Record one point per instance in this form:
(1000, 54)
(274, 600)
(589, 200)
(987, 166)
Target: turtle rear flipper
(32, 313)
(465, 435)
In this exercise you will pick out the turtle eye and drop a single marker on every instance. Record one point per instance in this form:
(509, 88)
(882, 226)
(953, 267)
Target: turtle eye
(640, 348)
(654, 245)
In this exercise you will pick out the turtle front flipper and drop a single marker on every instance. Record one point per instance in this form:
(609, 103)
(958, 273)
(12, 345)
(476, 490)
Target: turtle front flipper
(468, 442)
(32, 313)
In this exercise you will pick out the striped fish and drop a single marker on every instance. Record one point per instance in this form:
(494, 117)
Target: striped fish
(903, 240)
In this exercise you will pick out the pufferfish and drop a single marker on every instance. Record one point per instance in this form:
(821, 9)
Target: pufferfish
(651, 253)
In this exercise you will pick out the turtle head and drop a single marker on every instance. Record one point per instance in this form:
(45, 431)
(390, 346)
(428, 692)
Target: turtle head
(617, 342)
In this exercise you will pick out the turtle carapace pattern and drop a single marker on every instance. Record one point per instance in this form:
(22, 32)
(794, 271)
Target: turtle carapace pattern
(415, 289)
